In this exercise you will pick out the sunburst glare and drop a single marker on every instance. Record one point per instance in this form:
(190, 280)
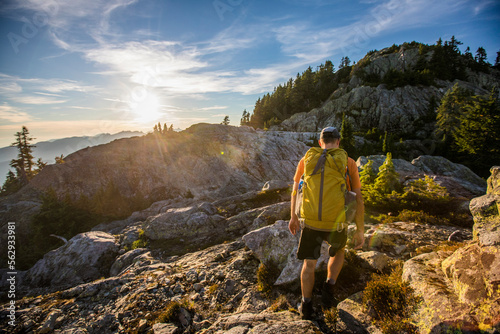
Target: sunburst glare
(147, 109)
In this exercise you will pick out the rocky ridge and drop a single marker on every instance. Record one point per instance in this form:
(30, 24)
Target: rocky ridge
(400, 110)
(216, 287)
(207, 161)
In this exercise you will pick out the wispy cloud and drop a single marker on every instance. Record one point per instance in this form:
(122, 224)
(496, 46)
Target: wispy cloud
(13, 115)
(305, 41)
(38, 91)
(213, 108)
(480, 6)
(35, 100)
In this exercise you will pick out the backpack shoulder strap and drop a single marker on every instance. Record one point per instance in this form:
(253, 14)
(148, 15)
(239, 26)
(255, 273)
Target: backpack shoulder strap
(320, 165)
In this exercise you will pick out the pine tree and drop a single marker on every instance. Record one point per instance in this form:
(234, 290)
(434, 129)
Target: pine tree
(481, 56)
(171, 128)
(468, 56)
(60, 159)
(40, 165)
(11, 184)
(165, 129)
(344, 62)
(245, 118)
(454, 43)
(384, 143)
(450, 110)
(387, 179)
(226, 120)
(24, 164)
(477, 133)
(367, 176)
(347, 135)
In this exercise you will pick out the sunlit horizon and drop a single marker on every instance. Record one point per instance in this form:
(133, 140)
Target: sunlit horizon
(84, 68)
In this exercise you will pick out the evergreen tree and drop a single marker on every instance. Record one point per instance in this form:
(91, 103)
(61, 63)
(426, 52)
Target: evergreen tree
(60, 159)
(347, 135)
(388, 142)
(245, 118)
(344, 62)
(468, 56)
(165, 129)
(387, 179)
(481, 56)
(478, 131)
(367, 176)
(454, 43)
(497, 61)
(446, 62)
(324, 82)
(171, 128)
(11, 184)
(450, 110)
(225, 121)
(40, 165)
(24, 164)
(384, 143)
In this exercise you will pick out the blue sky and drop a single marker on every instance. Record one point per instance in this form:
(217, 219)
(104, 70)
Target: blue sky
(83, 67)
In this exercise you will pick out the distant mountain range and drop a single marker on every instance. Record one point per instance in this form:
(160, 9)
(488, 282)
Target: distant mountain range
(48, 150)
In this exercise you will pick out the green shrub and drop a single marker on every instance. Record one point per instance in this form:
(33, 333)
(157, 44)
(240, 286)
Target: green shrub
(351, 271)
(398, 326)
(213, 289)
(280, 304)
(171, 313)
(266, 276)
(421, 201)
(331, 318)
(391, 301)
(419, 217)
(142, 242)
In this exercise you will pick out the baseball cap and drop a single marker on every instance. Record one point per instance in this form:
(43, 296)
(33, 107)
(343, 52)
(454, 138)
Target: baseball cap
(330, 132)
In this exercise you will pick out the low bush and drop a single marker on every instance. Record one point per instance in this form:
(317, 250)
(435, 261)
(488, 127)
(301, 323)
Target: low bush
(391, 302)
(280, 304)
(332, 318)
(266, 276)
(142, 242)
(171, 313)
(173, 309)
(419, 217)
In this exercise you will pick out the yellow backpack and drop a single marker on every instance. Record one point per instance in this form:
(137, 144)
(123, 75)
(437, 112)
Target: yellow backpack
(324, 189)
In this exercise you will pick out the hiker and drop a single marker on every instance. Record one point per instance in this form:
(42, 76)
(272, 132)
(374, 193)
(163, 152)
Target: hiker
(334, 232)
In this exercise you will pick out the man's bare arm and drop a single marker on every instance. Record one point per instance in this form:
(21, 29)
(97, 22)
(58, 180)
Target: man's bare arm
(294, 224)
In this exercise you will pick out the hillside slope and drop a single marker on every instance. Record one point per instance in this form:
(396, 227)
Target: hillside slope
(48, 150)
(380, 93)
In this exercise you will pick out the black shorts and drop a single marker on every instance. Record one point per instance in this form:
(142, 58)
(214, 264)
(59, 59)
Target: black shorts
(311, 240)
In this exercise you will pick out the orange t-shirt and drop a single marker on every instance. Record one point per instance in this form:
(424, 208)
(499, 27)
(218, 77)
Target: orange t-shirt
(354, 183)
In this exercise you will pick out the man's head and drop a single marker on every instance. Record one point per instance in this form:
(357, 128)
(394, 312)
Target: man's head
(329, 137)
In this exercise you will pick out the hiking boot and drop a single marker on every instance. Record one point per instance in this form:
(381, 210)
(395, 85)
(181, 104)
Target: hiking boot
(327, 295)
(306, 310)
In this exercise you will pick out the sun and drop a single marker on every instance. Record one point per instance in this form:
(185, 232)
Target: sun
(146, 108)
